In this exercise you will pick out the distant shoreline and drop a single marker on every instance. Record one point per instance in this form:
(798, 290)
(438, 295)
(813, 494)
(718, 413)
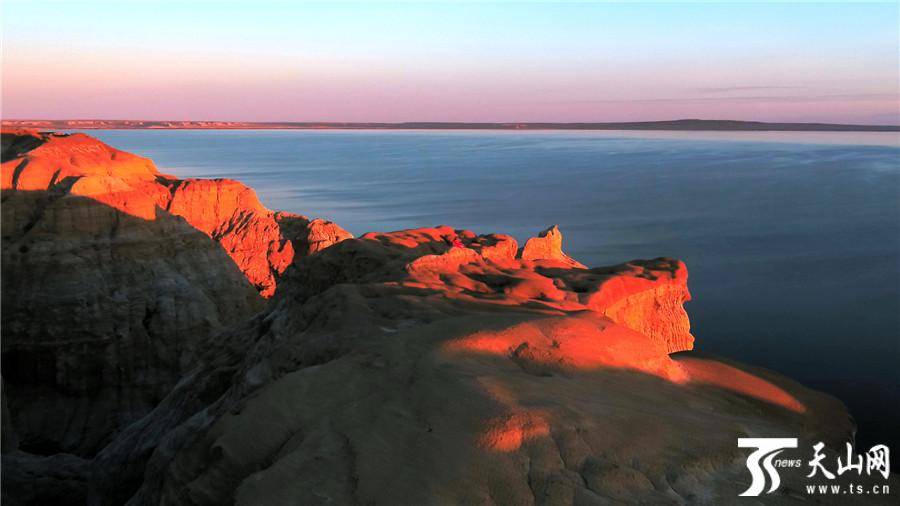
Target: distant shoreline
(675, 125)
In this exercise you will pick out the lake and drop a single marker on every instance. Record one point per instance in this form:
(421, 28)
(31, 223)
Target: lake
(792, 240)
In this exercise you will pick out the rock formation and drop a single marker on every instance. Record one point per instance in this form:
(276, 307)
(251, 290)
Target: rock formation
(111, 281)
(420, 366)
(547, 246)
(261, 242)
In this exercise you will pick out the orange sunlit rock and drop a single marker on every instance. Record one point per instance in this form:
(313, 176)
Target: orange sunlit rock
(495, 247)
(582, 341)
(48, 159)
(644, 295)
(319, 233)
(721, 375)
(589, 342)
(509, 432)
(226, 210)
(548, 246)
(649, 298)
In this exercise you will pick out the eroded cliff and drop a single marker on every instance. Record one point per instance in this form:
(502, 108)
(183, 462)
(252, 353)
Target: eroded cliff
(261, 242)
(112, 274)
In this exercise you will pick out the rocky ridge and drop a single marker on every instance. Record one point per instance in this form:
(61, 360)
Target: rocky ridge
(261, 242)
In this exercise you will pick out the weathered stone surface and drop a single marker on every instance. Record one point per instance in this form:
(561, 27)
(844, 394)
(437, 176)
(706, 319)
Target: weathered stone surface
(103, 305)
(259, 241)
(112, 276)
(547, 246)
(644, 295)
(400, 358)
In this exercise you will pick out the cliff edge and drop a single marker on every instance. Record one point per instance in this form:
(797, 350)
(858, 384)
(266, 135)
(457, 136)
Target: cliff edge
(142, 363)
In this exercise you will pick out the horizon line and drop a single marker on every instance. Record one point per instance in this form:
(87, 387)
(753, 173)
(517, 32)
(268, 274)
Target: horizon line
(676, 124)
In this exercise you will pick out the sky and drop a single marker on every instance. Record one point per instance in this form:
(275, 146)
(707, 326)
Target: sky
(463, 61)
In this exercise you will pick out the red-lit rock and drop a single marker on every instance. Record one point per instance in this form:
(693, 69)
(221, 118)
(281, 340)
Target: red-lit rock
(225, 210)
(37, 161)
(495, 247)
(113, 274)
(321, 234)
(547, 246)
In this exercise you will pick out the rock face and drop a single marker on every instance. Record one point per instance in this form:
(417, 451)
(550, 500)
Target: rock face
(104, 302)
(260, 241)
(547, 246)
(112, 276)
(644, 295)
(425, 366)
(465, 378)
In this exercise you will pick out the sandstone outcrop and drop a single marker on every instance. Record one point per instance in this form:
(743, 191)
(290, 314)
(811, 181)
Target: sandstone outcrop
(647, 296)
(102, 309)
(259, 241)
(423, 366)
(112, 274)
(547, 246)
(407, 358)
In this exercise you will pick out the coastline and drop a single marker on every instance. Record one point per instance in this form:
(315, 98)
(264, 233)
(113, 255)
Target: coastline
(674, 125)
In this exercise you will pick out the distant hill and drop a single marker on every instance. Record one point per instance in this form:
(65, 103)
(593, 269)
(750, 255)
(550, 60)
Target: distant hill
(681, 124)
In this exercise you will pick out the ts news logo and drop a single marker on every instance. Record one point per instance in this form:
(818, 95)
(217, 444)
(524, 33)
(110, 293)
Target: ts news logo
(763, 465)
(767, 448)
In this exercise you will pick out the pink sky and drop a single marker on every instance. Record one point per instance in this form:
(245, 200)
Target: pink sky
(428, 64)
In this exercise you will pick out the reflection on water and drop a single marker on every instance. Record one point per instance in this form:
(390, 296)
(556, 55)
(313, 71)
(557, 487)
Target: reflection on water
(793, 246)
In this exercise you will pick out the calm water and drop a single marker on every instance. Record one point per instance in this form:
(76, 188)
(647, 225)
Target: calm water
(793, 246)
